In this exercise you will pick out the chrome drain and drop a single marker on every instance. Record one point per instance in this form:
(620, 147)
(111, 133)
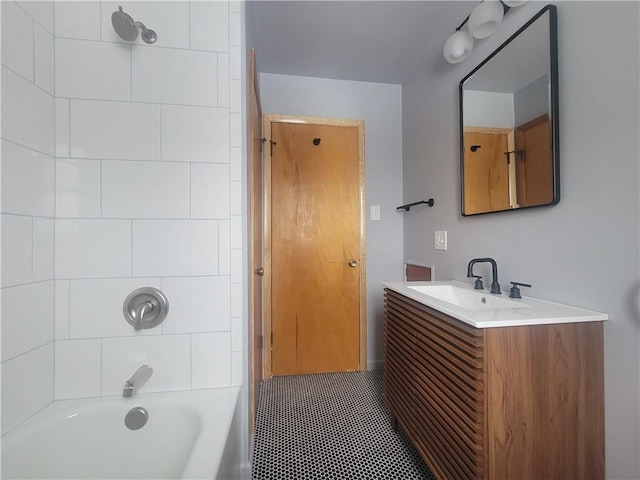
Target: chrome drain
(136, 418)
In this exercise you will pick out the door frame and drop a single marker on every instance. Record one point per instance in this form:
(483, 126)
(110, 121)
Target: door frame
(256, 243)
(268, 121)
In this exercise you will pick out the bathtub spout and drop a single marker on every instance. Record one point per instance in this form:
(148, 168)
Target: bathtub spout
(137, 380)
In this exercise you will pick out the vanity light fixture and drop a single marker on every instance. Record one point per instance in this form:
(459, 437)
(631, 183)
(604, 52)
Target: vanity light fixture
(458, 46)
(485, 18)
(482, 22)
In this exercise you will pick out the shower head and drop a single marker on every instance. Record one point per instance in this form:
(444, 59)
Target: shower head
(124, 25)
(127, 28)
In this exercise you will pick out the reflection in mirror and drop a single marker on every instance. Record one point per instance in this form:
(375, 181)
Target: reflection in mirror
(509, 123)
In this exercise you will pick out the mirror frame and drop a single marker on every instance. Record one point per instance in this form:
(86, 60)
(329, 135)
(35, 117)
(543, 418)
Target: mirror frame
(554, 113)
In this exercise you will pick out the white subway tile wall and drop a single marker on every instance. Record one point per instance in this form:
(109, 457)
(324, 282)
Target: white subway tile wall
(28, 208)
(223, 75)
(121, 168)
(145, 189)
(201, 304)
(43, 249)
(41, 11)
(77, 368)
(77, 20)
(209, 190)
(208, 352)
(235, 164)
(21, 399)
(31, 189)
(27, 113)
(168, 355)
(43, 58)
(78, 188)
(207, 31)
(101, 71)
(233, 265)
(17, 249)
(114, 130)
(61, 316)
(27, 318)
(175, 248)
(224, 248)
(169, 75)
(195, 134)
(93, 248)
(62, 107)
(18, 53)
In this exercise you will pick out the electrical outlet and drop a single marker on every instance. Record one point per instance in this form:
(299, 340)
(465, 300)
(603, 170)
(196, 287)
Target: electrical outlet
(440, 240)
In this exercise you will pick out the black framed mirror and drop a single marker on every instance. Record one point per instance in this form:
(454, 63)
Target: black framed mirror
(509, 151)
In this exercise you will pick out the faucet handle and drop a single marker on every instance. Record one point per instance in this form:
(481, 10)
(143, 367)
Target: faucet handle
(478, 284)
(514, 292)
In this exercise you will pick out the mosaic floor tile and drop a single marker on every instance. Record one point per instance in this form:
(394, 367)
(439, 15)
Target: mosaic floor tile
(330, 426)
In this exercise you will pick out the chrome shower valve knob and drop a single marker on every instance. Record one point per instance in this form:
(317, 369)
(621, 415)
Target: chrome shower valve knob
(145, 307)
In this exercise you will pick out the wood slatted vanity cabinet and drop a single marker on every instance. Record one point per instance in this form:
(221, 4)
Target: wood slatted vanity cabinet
(514, 402)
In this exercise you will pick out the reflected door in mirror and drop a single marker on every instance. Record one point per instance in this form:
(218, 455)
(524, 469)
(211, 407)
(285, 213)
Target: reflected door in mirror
(534, 163)
(487, 170)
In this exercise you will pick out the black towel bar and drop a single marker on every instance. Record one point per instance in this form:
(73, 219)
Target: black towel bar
(408, 206)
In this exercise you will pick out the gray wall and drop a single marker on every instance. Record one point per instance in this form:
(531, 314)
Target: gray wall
(531, 102)
(488, 109)
(379, 105)
(584, 251)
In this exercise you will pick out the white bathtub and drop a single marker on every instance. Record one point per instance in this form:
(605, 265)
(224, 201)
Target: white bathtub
(184, 437)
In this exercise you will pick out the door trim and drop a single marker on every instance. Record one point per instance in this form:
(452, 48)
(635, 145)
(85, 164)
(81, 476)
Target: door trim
(268, 120)
(256, 242)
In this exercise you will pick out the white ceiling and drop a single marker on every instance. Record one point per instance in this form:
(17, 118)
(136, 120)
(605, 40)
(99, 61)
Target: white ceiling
(375, 41)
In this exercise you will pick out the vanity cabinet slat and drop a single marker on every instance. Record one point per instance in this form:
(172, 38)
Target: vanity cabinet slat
(496, 403)
(463, 336)
(447, 377)
(400, 396)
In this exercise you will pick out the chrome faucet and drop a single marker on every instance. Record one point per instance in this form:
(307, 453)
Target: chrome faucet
(137, 379)
(495, 286)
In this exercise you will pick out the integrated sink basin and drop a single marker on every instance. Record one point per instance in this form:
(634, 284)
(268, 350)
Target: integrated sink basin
(482, 309)
(465, 298)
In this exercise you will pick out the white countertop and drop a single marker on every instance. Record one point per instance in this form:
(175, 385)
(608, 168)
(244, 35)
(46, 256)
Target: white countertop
(531, 311)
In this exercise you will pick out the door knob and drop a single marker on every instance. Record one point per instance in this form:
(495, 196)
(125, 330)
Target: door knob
(352, 263)
(259, 271)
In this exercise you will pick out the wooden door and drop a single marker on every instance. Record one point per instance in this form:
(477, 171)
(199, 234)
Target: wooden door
(316, 252)
(535, 166)
(486, 172)
(256, 238)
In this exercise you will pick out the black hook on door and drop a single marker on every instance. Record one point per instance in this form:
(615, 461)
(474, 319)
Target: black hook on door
(474, 148)
(316, 141)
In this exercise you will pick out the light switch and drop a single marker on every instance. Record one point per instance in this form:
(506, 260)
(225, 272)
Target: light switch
(440, 241)
(375, 212)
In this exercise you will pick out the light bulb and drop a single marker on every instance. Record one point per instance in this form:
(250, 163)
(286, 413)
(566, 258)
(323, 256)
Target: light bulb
(485, 18)
(458, 46)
